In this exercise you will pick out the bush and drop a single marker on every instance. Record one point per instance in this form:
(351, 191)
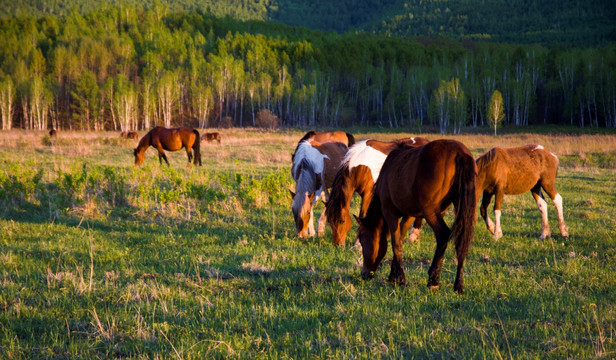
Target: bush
(266, 120)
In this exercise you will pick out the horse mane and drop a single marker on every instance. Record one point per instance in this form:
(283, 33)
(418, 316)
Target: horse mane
(486, 159)
(306, 181)
(307, 152)
(351, 139)
(146, 140)
(338, 194)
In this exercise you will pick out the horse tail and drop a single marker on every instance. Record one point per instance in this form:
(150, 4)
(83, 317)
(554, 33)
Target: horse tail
(465, 204)
(351, 139)
(197, 148)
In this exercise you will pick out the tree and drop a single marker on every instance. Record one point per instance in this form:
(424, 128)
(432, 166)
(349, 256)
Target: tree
(86, 101)
(7, 98)
(496, 111)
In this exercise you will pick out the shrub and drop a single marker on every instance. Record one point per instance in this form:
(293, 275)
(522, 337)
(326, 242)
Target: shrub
(266, 120)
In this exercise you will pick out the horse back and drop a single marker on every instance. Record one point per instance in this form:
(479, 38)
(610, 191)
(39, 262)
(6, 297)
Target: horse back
(335, 153)
(419, 179)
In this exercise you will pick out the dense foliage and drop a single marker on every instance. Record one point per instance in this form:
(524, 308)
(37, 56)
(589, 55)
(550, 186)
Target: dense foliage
(569, 22)
(131, 68)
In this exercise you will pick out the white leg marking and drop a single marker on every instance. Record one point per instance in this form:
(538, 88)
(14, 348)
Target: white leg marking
(311, 223)
(321, 224)
(498, 232)
(558, 202)
(414, 234)
(545, 226)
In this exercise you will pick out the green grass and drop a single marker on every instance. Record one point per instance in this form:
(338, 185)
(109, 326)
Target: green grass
(99, 258)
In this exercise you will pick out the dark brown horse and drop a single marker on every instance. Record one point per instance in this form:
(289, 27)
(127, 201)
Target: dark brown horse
(162, 139)
(314, 168)
(512, 171)
(53, 133)
(421, 181)
(325, 137)
(211, 136)
(358, 173)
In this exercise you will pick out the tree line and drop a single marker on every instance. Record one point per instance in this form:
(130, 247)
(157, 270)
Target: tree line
(128, 68)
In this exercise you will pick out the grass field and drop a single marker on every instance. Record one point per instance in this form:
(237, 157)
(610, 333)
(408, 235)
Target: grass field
(101, 259)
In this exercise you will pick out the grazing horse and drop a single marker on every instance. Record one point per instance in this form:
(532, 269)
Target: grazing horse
(325, 137)
(421, 181)
(162, 139)
(209, 137)
(314, 168)
(513, 171)
(129, 135)
(53, 133)
(358, 173)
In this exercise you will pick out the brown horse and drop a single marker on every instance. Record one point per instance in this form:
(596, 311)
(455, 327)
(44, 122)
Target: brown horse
(314, 168)
(162, 139)
(514, 171)
(325, 137)
(357, 174)
(421, 181)
(129, 135)
(211, 136)
(53, 133)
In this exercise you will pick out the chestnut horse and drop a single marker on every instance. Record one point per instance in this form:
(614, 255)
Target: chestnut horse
(325, 137)
(512, 171)
(314, 168)
(162, 139)
(421, 181)
(209, 137)
(129, 135)
(357, 174)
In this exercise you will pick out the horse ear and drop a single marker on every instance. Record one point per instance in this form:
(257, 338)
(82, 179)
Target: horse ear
(292, 193)
(357, 218)
(310, 197)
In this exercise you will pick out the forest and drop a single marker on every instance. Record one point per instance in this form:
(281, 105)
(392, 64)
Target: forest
(132, 67)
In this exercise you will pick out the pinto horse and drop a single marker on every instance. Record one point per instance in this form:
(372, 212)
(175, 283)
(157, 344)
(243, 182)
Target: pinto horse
(163, 139)
(314, 168)
(421, 181)
(512, 171)
(357, 174)
(325, 137)
(211, 136)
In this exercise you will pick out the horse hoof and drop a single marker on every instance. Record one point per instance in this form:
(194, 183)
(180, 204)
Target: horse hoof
(367, 275)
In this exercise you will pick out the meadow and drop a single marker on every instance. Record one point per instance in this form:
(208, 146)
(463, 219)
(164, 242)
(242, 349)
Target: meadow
(102, 259)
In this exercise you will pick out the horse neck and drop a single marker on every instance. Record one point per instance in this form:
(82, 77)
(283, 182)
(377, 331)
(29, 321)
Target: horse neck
(373, 214)
(145, 142)
(342, 192)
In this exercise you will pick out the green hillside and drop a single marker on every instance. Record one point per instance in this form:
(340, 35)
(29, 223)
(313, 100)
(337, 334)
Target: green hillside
(568, 22)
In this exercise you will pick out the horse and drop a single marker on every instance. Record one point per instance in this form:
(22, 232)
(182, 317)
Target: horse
(421, 181)
(513, 171)
(358, 173)
(314, 168)
(53, 133)
(162, 139)
(324, 137)
(129, 135)
(209, 137)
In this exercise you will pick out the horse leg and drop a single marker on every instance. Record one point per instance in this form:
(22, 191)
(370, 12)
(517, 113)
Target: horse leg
(485, 201)
(323, 217)
(396, 276)
(442, 233)
(498, 201)
(311, 231)
(415, 230)
(543, 208)
(550, 189)
(190, 155)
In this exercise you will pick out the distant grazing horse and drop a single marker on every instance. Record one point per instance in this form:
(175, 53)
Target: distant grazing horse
(325, 137)
(129, 135)
(53, 133)
(162, 139)
(421, 181)
(514, 171)
(209, 137)
(314, 168)
(358, 173)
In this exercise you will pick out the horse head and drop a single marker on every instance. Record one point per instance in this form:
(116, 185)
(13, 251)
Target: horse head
(373, 242)
(139, 156)
(302, 208)
(339, 219)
